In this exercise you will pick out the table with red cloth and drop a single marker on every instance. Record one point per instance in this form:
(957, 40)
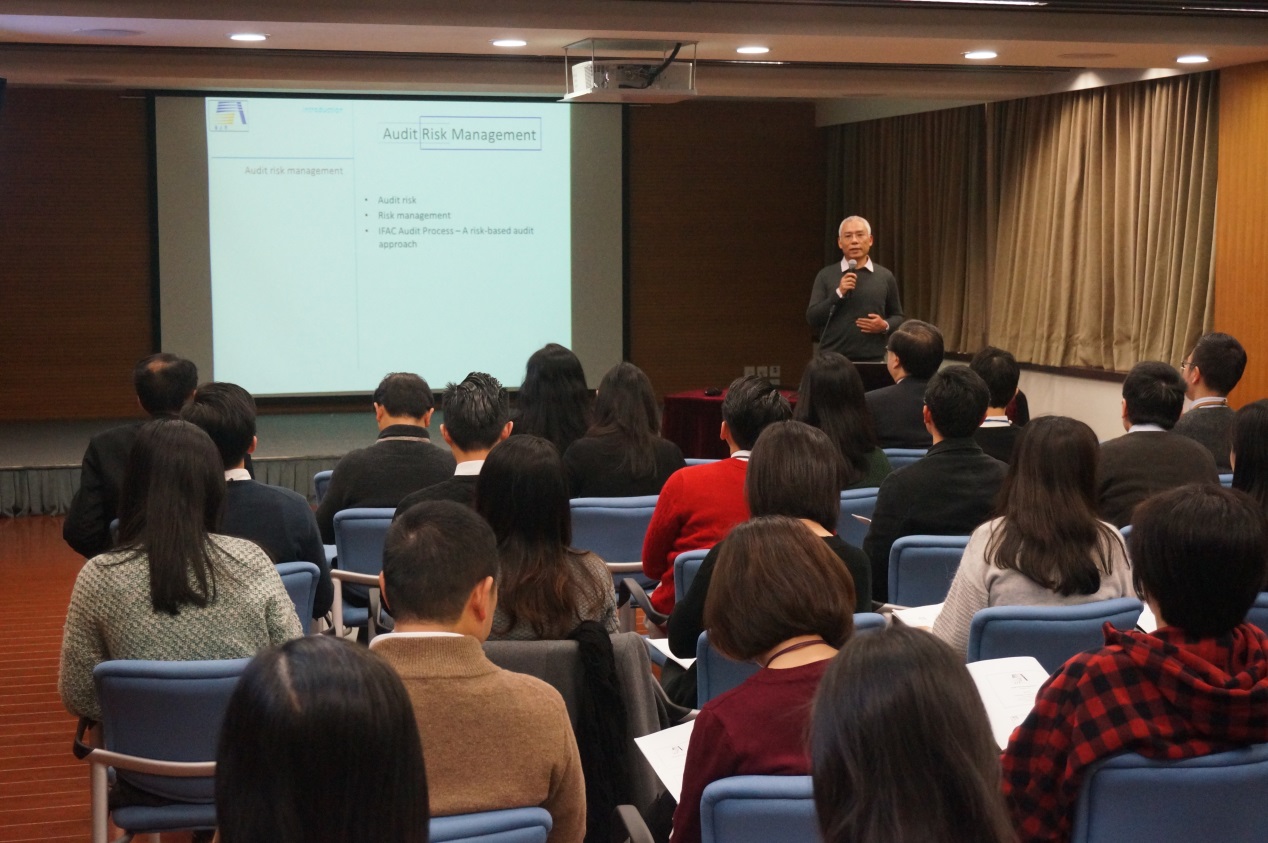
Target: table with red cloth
(692, 421)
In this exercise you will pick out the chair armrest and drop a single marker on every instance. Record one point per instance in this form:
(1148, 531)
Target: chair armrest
(85, 743)
(631, 590)
(353, 577)
(629, 826)
(625, 567)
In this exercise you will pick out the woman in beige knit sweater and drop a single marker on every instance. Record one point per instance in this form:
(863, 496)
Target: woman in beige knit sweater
(172, 590)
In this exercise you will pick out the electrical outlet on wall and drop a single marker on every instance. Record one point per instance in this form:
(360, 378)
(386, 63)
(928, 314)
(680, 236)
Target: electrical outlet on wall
(774, 372)
(749, 371)
(763, 371)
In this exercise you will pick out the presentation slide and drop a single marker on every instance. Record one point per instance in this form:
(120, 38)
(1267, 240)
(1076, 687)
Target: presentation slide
(308, 246)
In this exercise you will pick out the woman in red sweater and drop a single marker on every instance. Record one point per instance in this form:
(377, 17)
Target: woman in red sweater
(781, 598)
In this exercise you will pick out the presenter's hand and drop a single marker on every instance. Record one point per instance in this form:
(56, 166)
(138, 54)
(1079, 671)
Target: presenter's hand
(872, 324)
(848, 280)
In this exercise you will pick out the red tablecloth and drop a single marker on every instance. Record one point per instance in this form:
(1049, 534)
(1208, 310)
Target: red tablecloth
(693, 420)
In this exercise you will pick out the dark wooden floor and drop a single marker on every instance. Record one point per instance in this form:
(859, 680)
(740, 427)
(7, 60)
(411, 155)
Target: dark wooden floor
(43, 788)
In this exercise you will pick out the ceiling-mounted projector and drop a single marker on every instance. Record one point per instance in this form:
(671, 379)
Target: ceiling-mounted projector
(632, 71)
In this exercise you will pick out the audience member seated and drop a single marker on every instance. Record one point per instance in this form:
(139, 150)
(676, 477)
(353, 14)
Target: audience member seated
(1249, 453)
(780, 598)
(278, 520)
(949, 491)
(163, 383)
(701, 503)
(1196, 685)
(319, 745)
(493, 739)
(997, 434)
(902, 747)
(1047, 548)
(1150, 458)
(622, 454)
(402, 459)
(477, 417)
(173, 589)
(553, 401)
(912, 355)
(1211, 370)
(546, 587)
(793, 472)
(831, 398)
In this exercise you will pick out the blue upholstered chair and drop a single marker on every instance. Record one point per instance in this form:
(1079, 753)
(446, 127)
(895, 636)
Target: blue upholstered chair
(758, 809)
(159, 729)
(921, 568)
(1125, 532)
(1131, 799)
(698, 461)
(865, 622)
(1052, 634)
(1226, 480)
(614, 529)
(855, 502)
(1258, 614)
(514, 825)
(899, 457)
(686, 566)
(321, 482)
(300, 579)
(359, 537)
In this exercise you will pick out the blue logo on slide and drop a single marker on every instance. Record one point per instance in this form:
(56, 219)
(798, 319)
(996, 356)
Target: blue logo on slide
(231, 116)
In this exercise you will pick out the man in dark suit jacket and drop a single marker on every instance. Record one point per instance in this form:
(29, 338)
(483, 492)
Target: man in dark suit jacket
(949, 491)
(477, 417)
(278, 520)
(1149, 458)
(163, 382)
(1210, 372)
(913, 354)
(997, 435)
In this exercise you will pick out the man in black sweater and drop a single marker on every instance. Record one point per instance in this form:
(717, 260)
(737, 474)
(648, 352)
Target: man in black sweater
(477, 417)
(163, 382)
(912, 356)
(278, 520)
(1210, 372)
(997, 434)
(949, 491)
(853, 308)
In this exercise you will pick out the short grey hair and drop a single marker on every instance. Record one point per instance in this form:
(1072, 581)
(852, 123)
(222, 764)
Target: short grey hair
(867, 226)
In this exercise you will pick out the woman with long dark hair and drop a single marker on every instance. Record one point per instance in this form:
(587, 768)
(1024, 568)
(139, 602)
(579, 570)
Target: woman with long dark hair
(553, 401)
(1249, 453)
(902, 748)
(173, 589)
(320, 745)
(546, 587)
(1047, 547)
(622, 454)
(831, 398)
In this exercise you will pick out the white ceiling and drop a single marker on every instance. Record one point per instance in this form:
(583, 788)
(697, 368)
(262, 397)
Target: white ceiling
(858, 61)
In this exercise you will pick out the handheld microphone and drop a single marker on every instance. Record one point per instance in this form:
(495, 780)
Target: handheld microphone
(849, 267)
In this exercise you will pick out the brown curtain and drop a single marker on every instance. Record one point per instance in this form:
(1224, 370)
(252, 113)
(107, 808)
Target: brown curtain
(1074, 229)
(919, 180)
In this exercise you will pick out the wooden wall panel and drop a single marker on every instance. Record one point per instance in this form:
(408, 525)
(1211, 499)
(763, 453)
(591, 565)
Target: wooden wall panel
(74, 253)
(726, 203)
(1241, 249)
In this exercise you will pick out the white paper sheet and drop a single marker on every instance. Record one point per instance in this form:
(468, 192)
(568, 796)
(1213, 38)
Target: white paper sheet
(1008, 688)
(919, 616)
(662, 644)
(666, 751)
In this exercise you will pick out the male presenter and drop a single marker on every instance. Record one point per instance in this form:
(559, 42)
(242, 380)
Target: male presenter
(854, 304)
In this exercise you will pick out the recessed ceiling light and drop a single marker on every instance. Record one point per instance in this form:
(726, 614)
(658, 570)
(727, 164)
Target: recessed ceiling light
(509, 42)
(248, 36)
(981, 55)
(753, 51)
(1195, 59)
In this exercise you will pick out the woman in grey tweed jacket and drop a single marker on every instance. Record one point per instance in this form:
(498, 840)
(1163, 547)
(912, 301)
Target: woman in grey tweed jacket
(172, 590)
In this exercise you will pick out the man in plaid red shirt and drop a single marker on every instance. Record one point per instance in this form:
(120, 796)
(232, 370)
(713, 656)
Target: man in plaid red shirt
(1197, 685)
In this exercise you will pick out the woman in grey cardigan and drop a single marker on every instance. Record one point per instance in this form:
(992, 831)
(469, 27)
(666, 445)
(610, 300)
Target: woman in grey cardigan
(173, 590)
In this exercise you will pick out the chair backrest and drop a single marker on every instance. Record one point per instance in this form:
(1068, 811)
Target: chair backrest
(557, 663)
(166, 711)
(1131, 799)
(300, 579)
(612, 527)
(686, 566)
(1125, 531)
(698, 461)
(855, 502)
(359, 538)
(514, 825)
(321, 482)
(716, 674)
(921, 568)
(899, 457)
(1258, 614)
(1226, 480)
(757, 809)
(1052, 634)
